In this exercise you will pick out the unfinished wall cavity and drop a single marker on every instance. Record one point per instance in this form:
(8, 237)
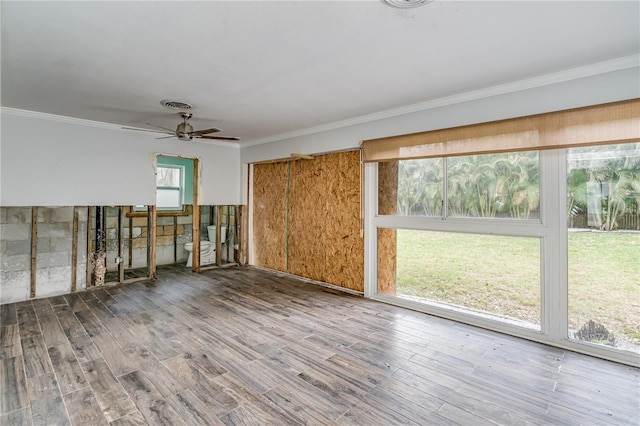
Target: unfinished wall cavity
(38, 252)
(306, 218)
(387, 205)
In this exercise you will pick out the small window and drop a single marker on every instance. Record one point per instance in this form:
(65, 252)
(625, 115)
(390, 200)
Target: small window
(169, 187)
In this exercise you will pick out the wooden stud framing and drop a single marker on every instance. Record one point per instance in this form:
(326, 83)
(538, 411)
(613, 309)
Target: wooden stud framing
(34, 250)
(121, 243)
(195, 263)
(218, 235)
(89, 247)
(130, 239)
(151, 241)
(175, 239)
(243, 243)
(74, 250)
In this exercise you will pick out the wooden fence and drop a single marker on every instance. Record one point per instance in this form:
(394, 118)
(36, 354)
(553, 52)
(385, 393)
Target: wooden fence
(626, 221)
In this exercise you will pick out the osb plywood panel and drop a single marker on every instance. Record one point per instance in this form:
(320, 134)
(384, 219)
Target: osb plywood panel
(387, 205)
(308, 198)
(344, 245)
(322, 221)
(387, 261)
(388, 188)
(269, 215)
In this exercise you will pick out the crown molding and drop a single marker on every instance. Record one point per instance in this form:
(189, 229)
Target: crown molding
(59, 118)
(617, 64)
(97, 124)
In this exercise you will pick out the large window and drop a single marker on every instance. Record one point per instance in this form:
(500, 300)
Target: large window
(529, 226)
(603, 200)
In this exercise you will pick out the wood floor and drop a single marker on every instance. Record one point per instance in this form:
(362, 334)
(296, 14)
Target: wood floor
(244, 346)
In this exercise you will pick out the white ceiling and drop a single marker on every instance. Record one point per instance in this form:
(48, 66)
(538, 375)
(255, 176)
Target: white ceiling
(266, 68)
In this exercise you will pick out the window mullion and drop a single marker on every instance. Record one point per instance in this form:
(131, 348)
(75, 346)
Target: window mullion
(445, 190)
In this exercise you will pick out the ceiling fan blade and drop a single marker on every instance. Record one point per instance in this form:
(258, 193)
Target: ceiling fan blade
(222, 138)
(166, 137)
(205, 131)
(160, 127)
(149, 130)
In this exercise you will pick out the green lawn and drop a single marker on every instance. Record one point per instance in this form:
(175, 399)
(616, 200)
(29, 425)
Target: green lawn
(501, 275)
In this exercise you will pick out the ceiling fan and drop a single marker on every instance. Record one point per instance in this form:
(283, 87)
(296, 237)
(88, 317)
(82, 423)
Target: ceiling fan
(185, 131)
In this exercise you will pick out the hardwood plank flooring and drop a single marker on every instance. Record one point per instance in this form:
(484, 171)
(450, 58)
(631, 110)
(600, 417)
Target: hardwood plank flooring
(243, 346)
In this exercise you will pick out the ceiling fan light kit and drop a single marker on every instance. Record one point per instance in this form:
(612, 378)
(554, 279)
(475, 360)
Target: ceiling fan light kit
(185, 131)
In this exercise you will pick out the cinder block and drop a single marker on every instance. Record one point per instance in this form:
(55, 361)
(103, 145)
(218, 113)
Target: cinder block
(137, 232)
(139, 253)
(139, 221)
(164, 255)
(185, 220)
(165, 240)
(44, 214)
(16, 247)
(139, 242)
(16, 263)
(58, 230)
(60, 244)
(44, 244)
(14, 231)
(53, 259)
(53, 286)
(62, 273)
(165, 220)
(42, 276)
(62, 214)
(14, 286)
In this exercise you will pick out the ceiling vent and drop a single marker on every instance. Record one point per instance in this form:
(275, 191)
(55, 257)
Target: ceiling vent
(176, 104)
(406, 4)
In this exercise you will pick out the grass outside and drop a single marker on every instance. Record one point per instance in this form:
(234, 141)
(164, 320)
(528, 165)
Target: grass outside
(501, 275)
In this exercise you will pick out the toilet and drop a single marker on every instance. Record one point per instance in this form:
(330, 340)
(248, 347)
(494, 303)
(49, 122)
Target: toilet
(207, 248)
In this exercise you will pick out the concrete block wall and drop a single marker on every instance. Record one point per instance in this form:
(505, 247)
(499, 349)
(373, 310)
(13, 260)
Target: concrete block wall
(165, 228)
(54, 252)
(15, 258)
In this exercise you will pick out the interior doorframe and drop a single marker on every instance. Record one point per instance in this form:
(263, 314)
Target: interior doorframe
(195, 222)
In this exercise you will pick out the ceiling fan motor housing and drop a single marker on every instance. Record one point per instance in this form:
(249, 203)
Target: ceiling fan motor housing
(184, 131)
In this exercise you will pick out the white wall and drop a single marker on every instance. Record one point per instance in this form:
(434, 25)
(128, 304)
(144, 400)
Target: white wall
(492, 104)
(56, 161)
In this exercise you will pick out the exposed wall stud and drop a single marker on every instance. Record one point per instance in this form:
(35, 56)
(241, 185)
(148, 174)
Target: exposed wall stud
(34, 250)
(130, 238)
(120, 244)
(195, 263)
(74, 249)
(89, 282)
(218, 235)
(152, 220)
(175, 239)
(100, 254)
(243, 239)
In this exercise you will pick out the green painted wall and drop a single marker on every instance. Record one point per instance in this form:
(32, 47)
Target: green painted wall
(188, 174)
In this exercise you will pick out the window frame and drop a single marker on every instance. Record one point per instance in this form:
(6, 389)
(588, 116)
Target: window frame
(551, 228)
